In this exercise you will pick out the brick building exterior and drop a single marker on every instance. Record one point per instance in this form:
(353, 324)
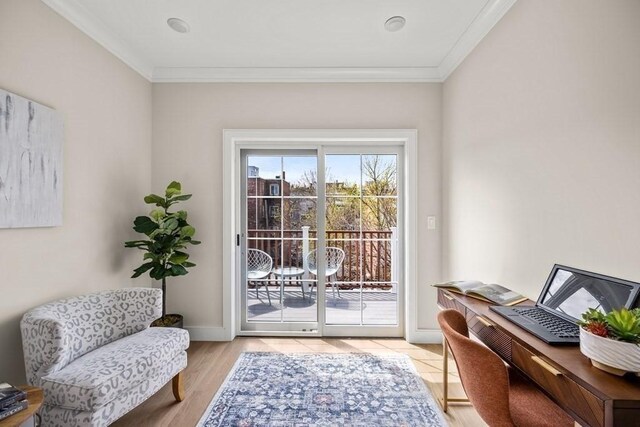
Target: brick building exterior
(264, 212)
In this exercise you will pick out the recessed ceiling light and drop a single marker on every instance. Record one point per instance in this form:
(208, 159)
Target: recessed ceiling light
(395, 23)
(178, 25)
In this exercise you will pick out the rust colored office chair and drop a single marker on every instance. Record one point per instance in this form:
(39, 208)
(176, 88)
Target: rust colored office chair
(501, 396)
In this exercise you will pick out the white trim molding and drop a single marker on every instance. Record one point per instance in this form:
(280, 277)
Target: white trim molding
(289, 138)
(425, 336)
(208, 333)
(296, 75)
(78, 15)
(74, 12)
(488, 17)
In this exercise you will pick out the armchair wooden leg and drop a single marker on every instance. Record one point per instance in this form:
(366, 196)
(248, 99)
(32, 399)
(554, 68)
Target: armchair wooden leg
(178, 386)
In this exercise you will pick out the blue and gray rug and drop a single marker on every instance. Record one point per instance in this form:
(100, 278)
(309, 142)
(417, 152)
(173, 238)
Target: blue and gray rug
(296, 390)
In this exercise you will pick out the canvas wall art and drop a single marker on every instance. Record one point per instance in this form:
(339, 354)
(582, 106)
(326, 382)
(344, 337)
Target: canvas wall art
(30, 163)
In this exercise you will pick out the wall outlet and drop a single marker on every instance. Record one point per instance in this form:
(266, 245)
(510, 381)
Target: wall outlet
(431, 223)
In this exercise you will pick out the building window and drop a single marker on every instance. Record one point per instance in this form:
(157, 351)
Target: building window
(274, 189)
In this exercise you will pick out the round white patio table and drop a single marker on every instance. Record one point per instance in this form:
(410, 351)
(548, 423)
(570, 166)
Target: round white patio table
(288, 273)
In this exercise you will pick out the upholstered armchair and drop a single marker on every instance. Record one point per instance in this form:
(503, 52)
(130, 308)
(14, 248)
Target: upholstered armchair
(96, 358)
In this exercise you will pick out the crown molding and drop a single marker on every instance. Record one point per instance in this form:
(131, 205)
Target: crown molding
(295, 75)
(77, 14)
(488, 17)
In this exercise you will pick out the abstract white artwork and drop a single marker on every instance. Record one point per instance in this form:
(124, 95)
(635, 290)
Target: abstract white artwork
(30, 163)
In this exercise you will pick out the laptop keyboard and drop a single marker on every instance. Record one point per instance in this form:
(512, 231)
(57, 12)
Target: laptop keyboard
(558, 327)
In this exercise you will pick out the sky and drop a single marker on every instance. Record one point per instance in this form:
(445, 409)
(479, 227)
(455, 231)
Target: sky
(340, 167)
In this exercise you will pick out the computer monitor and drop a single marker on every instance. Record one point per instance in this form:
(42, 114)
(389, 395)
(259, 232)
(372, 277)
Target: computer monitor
(569, 292)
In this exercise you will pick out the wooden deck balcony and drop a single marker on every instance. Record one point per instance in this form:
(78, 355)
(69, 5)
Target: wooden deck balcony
(367, 278)
(369, 307)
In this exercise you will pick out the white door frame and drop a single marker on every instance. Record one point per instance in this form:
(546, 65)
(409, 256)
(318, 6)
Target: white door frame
(236, 139)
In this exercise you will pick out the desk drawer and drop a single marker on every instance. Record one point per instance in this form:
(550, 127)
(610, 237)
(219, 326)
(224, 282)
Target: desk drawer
(567, 393)
(492, 337)
(447, 300)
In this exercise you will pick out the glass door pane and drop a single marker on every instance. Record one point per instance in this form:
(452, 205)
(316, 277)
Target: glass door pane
(280, 193)
(361, 222)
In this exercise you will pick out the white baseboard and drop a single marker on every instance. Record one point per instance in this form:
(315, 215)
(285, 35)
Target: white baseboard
(218, 333)
(425, 336)
(208, 333)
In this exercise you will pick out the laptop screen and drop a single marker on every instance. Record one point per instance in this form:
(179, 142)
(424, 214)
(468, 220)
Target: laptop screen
(570, 292)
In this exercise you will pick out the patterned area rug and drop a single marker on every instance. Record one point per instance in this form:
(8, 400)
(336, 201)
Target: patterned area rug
(296, 390)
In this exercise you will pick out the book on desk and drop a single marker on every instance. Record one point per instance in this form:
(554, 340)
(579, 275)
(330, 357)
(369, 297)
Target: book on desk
(492, 293)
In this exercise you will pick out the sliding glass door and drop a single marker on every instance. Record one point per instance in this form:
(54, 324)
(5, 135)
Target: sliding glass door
(320, 241)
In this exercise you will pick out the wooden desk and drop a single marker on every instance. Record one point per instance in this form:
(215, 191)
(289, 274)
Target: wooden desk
(34, 396)
(592, 397)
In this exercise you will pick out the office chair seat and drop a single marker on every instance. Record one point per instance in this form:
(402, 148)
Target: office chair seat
(530, 407)
(501, 396)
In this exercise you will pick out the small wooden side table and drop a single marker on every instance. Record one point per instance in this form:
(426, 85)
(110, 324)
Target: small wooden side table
(35, 397)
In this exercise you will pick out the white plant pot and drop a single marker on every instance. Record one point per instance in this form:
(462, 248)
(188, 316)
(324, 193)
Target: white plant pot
(616, 357)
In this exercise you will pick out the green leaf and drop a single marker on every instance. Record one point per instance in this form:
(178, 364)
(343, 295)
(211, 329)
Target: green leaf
(142, 245)
(178, 257)
(148, 255)
(195, 242)
(172, 192)
(174, 185)
(182, 198)
(154, 199)
(157, 272)
(171, 224)
(142, 269)
(144, 224)
(188, 264)
(157, 214)
(178, 270)
(624, 324)
(593, 315)
(182, 215)
(136, 243)
(187, 231)
(173, 189)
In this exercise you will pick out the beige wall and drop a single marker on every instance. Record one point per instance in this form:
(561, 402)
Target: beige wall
(188, 120)
(542, 145)
(107, 145)
(541, 158)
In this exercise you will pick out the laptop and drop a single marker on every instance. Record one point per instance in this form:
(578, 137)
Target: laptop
(568, 293)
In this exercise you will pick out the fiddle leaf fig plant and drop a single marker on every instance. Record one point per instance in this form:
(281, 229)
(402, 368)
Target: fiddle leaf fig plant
(168, 235)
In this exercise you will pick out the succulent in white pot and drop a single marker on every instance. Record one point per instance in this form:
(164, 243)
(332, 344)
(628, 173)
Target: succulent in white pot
(612, 340)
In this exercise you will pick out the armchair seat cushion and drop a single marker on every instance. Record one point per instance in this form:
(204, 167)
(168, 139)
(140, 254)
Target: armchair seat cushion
(98, 377)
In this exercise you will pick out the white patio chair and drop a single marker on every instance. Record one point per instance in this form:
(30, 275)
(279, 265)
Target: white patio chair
(259, 265)
(333, 258)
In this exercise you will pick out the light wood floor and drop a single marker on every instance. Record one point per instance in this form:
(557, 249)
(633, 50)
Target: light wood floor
(210, 362)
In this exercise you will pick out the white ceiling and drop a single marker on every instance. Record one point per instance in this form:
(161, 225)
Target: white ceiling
(287, 40)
